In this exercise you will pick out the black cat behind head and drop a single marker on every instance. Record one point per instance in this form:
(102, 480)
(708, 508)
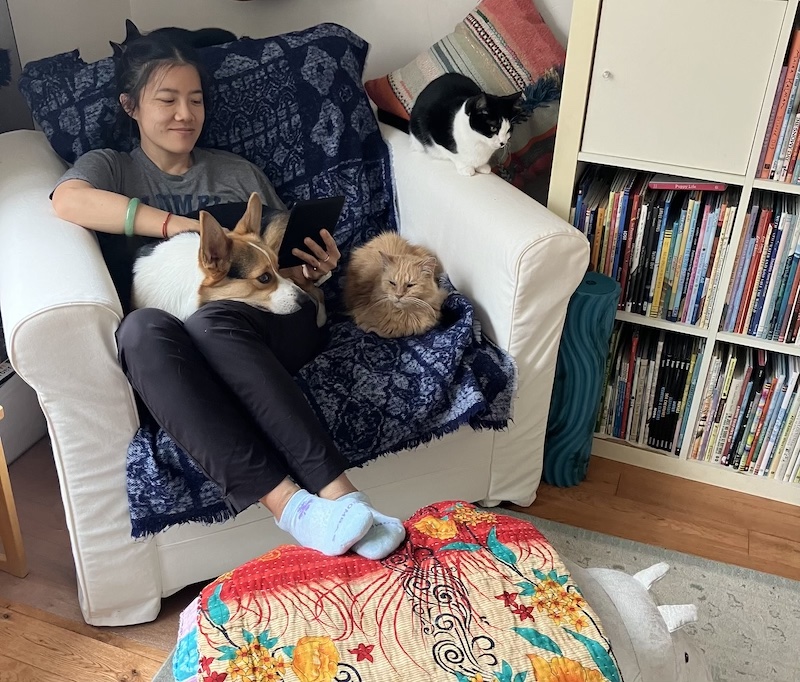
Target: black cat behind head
(453, 118)
(202, 37)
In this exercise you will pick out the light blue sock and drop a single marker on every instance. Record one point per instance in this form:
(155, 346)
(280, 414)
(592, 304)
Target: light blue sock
(330, 526)
(385, 535)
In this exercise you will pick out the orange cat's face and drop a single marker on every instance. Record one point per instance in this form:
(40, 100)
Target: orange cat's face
(406, 278)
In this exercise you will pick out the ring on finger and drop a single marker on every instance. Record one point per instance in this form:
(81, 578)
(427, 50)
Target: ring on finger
(327, 258)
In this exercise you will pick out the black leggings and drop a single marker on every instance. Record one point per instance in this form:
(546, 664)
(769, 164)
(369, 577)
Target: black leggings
(220, 384)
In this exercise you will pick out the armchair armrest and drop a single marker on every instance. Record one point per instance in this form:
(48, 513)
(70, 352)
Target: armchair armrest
(519, 264)
(60, 313)
(500, 247)
(45, 262)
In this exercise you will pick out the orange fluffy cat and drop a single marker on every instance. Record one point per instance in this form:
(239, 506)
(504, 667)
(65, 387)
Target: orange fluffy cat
(391, 287)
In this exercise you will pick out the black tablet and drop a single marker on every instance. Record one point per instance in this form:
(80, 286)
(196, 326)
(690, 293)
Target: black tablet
(306, 219)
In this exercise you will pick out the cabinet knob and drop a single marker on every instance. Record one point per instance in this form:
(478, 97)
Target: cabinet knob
(607, 74)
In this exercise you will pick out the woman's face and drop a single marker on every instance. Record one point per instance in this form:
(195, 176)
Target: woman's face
(171, 112)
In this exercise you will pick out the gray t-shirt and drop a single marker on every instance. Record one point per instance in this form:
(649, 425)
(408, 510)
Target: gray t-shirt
(216, 177)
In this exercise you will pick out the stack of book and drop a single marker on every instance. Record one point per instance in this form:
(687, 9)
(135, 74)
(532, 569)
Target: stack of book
(749, 418)
(780, 149)
(662, 238)
(762, 298)
(651, 375)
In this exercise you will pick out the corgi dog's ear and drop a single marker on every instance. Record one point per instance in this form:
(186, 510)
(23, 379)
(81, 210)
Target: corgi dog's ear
(250, 222)
(215, 247)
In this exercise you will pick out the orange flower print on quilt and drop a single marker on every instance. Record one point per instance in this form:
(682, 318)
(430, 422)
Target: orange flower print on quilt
(441, 529)
(254, 663)
(315, 659)
(560, 669)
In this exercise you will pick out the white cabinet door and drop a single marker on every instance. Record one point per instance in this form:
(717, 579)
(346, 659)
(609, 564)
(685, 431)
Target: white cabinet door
(681, 81)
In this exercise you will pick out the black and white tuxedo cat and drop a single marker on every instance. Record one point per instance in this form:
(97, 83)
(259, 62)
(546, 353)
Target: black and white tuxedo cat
(452, 118)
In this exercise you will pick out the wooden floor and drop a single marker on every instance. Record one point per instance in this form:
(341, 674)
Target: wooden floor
(42, 637)
(675, 513)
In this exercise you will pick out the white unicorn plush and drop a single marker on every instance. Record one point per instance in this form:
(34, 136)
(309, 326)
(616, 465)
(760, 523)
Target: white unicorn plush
(646, 638)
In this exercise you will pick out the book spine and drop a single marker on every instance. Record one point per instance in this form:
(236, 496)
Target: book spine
(636, 259)
(786, 123)
(716, 267)
(626, 256)
(697, 258)
(789, 148)
(791, 70)
(622, 229)
(792, 282)
(767, 279)
(656, 308)
(738, 410)
(712, 234)
(772, 114)
(753, 266)
(689, 186)
(652, 271)
(734, 288)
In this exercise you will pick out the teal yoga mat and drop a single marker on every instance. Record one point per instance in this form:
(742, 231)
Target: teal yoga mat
(578, 385)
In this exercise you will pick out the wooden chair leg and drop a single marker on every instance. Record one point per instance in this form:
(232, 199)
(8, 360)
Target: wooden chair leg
(12, 559)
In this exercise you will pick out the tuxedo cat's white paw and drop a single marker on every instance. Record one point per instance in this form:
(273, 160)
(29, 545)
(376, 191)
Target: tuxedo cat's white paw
(466, 170)
(484, 168)
(415, 144)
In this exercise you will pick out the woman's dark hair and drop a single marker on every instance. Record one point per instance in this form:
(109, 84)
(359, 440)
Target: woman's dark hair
(140, 59)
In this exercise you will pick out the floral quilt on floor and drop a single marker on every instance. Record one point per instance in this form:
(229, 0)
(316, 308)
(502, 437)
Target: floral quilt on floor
(471, 596)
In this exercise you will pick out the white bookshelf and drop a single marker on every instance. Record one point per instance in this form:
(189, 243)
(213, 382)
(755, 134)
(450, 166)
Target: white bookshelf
(683, 87)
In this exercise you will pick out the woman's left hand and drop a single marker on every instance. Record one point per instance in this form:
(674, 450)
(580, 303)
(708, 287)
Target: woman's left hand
(319, 262)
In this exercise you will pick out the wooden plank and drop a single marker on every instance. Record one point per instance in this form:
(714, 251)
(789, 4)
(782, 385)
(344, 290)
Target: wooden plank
(778, 552)
(75, 656)
(105, 635)
(646, 523)
(16, 671)
(602, 477)
(730, 507)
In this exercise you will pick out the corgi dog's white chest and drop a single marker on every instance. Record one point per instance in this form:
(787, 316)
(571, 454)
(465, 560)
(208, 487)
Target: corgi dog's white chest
(169, 277)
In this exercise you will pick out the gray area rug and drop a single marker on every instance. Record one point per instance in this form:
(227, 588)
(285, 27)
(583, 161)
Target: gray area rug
(749, 622)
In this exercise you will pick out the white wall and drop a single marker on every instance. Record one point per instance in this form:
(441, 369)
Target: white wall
(396, 29)
(14, 111)
(47, 27)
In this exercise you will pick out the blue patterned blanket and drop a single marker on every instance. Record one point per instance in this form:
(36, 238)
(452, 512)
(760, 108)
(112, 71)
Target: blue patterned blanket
(295, 106)
(375, 396)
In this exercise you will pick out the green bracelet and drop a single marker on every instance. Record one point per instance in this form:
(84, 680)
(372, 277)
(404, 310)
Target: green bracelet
(130, 216)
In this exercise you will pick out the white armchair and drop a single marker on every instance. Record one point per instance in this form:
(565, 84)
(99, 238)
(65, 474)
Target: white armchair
(517, 262)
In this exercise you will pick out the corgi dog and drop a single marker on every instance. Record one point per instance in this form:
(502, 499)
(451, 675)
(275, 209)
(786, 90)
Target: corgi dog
(182, 273)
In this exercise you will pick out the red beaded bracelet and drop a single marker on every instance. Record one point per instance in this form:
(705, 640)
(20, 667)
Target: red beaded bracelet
(164, 226)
